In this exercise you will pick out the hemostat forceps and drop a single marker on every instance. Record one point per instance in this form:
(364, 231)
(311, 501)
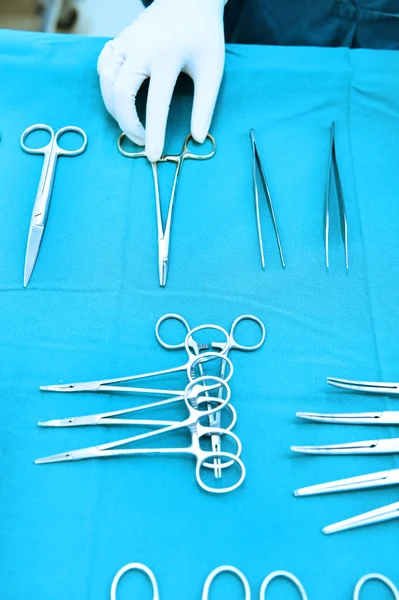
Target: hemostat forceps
(108, 385)
(257, 165)
(366, 387)
(164, 232)
(225, 347)
(333, 173)
(192, 423)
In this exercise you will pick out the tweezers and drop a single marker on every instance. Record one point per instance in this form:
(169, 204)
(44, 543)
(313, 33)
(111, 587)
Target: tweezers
(257, 165)
(388, 446)
(368, 387)
(386, 417)
(333, 172)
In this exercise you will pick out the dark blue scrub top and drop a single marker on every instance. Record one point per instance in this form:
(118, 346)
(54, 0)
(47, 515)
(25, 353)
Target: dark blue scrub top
(351, 23)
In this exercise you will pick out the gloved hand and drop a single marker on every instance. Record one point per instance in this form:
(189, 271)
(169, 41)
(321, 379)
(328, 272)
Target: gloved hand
(168, 37)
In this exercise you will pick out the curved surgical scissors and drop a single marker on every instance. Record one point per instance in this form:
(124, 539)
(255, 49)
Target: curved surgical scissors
(164, 232)
(41, 206)
(376, 576)
(135, 567)
(194, 426)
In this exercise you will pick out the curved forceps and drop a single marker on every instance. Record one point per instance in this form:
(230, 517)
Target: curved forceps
(41, 206)
(108, 385)
(164, 232)
(376, 576)
(192, 423)
(284, 575)
(226, 569)
(135, 567)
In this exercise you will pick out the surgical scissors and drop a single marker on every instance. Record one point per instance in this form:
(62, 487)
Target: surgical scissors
(367, 387)
(257, 164)
(225, 347)
(108, 385)
(333, 170)
(192, 423)
(41, 206)
(164, 232)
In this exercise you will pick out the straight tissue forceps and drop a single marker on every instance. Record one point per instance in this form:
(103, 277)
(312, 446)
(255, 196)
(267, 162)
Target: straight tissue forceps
(225, 347)
(164, 232)
(108, 385)
(257, 165)
(41, 206)
(192, 423)
(333, 173)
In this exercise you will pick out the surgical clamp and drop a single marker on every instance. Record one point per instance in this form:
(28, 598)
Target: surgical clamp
(164, 232)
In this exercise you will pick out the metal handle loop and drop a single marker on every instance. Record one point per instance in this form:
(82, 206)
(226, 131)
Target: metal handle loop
(31, 129)
(170, 317)
(284, 575)
(135, 567)
(188, 154)
(242, 347)
(226, 569)
(377, 576)
(139, 154)
(70, 129)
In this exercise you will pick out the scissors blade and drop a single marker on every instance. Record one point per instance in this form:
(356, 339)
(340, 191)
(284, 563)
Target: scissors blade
(370, 387)
(386, 446)
(369, 418)
(386, 513)
(361, 482)
(32, 250)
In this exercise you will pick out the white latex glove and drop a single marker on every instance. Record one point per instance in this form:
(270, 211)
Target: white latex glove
(168, 37)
